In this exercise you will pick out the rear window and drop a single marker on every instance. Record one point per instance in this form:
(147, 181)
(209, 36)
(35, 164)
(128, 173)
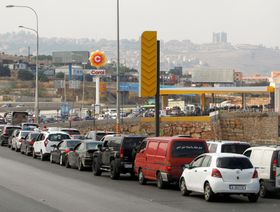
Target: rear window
(234, 163)
(278, 159)
(10, 130)
(131, 143)
(34, 135)
(100, 135)
(72, 132)
(72, 143)
(92, 145)
(58, 137)
(235, 148)
(24, 134)
(188, 149)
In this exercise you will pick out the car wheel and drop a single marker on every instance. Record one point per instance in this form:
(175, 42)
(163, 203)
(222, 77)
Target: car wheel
(26, 151)
(67, 165)
(80, 165)
(208, 193)
(114, 172)
(42, 156)
(183, 188)
(34, 154)
(2, 144)
(263, 190)
(160, 183)
(253, 197)
(96, 167)
(61, 161)
(51, 159)
(141, 178)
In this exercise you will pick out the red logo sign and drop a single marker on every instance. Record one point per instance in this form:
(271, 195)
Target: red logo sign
(98, 72)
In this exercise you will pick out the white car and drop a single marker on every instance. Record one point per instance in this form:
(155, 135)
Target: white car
(45, 141)
(17, 139)
(220, 173)
(237, 147)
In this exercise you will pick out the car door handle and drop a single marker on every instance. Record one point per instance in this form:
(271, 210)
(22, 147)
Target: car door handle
(195, 170)
(205, 170)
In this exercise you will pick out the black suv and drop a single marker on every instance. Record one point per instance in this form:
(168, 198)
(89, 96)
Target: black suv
(6, 133)
(116, 155)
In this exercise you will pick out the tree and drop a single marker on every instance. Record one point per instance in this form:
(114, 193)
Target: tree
(59, 75)
(25, 75)
(5, 71)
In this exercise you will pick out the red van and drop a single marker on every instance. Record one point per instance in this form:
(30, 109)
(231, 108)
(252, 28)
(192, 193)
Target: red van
(162, 158)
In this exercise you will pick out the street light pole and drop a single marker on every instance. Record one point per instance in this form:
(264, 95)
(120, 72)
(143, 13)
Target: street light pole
(118, 130)
(36, 105)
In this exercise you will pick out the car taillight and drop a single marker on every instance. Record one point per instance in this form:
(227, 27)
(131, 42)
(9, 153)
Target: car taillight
(46, 142)
(31, 142)
(67, 151)
(255, 175)
(216, 173)
(122, 153)
(274, 163)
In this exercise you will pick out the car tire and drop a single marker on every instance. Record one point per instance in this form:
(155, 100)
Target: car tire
(80, 165)
(51, 159)
(141, 177)
(160, 183)
(114, 172)
(183, 188)
(34, 154)
(67, 165)
(42, 156)
(253, 197)
(61, 160)
(263, 190)
(96, 167)
(2, 144)
(208, 193)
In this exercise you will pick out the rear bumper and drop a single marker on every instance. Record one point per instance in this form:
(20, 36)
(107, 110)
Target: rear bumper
(219, 186)
(270, 186)
(167, 177)
(4, 140)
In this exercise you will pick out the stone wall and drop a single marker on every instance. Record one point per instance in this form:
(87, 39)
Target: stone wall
(250, 126)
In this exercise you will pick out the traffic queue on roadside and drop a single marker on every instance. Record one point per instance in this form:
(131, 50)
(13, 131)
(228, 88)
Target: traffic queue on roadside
(212, 168)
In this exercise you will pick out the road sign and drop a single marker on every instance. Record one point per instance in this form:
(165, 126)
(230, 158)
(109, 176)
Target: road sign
(98, 72)
(148, 75)
(97, 59)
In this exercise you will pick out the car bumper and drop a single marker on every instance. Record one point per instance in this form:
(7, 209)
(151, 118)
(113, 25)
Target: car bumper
(270, 186)
(219, 186)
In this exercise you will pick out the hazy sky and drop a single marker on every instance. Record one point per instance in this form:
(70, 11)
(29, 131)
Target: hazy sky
(245, 21)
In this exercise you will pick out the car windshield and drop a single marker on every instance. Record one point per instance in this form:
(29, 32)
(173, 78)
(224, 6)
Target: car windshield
(187, 149)
(58, 137)
(132, 143)
(234, 163)
(238, 148)
(92, 145)
(72, 143)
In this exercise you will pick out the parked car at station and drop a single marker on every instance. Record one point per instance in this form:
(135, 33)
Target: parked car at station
(82, 155)
(60, 151)
(221, 173)
(161, 159)
(116, 155)
(228, 146)
(97, 135)
(6, 133)
(27, 143)
(70, 131)
(267, 161)
(18, 139)
(43, 145)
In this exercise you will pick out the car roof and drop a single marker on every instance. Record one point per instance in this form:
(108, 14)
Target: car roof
(219, 155)
(169, 139)
(273, 147)
(228, 142)
(57, 132)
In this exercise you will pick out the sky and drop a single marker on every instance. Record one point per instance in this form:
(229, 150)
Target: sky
(245, 21)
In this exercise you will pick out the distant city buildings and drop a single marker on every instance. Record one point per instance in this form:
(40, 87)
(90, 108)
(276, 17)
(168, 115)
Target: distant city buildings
(219, 37)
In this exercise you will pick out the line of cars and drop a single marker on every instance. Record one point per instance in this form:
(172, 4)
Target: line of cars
(212, 168)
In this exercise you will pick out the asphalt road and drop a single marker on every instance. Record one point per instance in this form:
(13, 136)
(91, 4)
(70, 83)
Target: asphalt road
(28, 185)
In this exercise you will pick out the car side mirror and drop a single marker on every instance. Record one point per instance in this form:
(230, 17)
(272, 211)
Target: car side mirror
(187, 166)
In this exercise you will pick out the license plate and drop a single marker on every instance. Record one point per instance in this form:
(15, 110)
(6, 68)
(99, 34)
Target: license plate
(237, 187)
(127, 165)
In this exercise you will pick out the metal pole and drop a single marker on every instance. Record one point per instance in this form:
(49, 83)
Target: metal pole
(83, 98)
(157, 97)
(118, 130)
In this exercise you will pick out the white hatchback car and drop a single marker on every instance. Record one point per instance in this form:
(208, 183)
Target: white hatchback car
(45, 141)
(220, 173)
